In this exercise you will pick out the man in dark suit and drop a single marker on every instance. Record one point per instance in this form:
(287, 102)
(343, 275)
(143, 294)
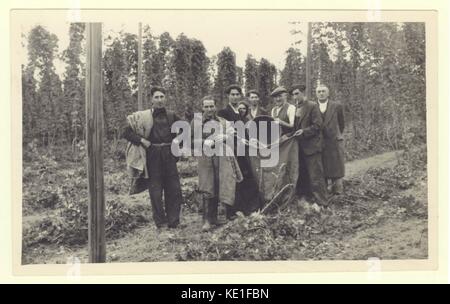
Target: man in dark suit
(247, 193)
(308, 123)
(161, 163)
(230, 112)
(333, 141)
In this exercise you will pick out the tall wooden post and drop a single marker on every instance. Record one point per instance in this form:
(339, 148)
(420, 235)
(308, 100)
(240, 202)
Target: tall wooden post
(308, 63)
(140, 88)
(94, 137)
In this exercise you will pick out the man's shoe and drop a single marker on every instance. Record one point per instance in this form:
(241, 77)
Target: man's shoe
(231, 217)
(219, 222)
(206, 226)
(161, 226)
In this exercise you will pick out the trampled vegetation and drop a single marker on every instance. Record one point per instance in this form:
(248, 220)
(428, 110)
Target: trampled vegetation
(57, 217)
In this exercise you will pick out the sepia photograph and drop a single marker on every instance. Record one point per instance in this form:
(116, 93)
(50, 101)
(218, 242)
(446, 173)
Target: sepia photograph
(222, 135)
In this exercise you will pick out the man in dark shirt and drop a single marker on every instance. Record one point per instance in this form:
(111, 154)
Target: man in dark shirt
(247, 193)
(161, 163)
(230, 112)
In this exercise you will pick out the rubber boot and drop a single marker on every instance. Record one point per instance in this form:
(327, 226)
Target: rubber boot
(213, 206)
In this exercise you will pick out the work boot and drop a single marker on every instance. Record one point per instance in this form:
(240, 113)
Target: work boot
(206, 226)
(337, 187)
(230, 212)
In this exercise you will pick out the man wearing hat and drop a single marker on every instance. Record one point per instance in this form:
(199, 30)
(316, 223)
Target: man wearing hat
(308, 123)
(161, 163)
(253, 98)
(283, 112)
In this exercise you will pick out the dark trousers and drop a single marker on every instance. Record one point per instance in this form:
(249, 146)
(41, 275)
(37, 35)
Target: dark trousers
(247, 199)
(210, 210)
(311, 182)
(164, 180)
(211, 200)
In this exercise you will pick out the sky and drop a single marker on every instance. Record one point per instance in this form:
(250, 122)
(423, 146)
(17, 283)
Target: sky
(264, 34)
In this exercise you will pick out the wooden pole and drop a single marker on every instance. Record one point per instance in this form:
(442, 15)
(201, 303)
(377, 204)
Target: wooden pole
(140, 87)
(308, 63)
(94, 138)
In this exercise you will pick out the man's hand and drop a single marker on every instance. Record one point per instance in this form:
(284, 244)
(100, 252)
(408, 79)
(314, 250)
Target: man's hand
(221, 137)
(298, 132)
(282, 138)
(208, 143)
(279, 121)
(185, 153)
(145, 143)
(175, 141)
(229, 131)
(253, 141)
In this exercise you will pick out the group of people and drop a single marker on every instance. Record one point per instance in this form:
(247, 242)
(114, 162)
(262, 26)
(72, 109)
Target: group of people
(316, 125)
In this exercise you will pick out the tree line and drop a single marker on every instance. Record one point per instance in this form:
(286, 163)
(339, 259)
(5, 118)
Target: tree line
(377, 70)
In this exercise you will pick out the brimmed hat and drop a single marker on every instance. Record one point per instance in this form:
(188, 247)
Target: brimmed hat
(278, 91)
(300, 87)
(253, 92)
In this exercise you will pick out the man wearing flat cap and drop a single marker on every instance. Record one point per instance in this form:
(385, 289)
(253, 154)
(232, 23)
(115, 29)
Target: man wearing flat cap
(283, 112)
(253, 98)
(160, 162)
(308, 123)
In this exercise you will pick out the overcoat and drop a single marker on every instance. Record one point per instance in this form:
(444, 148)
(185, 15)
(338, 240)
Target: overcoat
(333, 156)
(217, 175)
(247, 194)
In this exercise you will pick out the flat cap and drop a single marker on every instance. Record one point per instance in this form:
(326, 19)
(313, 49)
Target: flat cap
(278, 91)
(300, 87)
(253, 92)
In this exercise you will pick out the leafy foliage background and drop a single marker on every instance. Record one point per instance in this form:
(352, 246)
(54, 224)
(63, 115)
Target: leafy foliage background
(377, 70)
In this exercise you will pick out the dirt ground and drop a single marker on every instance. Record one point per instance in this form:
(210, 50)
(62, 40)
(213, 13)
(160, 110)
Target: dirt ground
(390, 237)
